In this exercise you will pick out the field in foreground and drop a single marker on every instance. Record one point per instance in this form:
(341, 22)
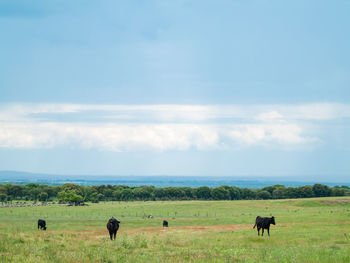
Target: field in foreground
(306, 230)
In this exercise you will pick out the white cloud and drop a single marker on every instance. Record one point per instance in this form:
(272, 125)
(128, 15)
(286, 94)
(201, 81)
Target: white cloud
(283, 134)
(270, 116)
(107, 136)
(143, 136)
(181, 113)
(161, 127)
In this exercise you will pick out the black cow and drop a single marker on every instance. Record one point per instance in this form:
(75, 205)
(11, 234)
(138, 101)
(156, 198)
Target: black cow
(113, 226)
(41, 224)
(264, 223)
(165, 223)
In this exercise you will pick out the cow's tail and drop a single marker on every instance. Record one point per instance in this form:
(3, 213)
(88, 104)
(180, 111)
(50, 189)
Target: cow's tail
(256, 220)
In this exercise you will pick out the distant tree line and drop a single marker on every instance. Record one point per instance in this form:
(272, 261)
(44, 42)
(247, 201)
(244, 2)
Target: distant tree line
(76, 194)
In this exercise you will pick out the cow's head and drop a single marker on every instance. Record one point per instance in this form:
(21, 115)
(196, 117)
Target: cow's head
(44, 227)
(273, 220)
(113, 221)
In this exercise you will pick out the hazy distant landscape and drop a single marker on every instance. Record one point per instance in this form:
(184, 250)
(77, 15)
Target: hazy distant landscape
(251, 182)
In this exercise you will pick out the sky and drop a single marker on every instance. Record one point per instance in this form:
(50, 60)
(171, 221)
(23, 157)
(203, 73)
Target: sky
(207, 88)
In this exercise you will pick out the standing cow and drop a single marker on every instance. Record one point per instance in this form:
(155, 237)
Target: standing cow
(113, 226)
(264, 223)
(41, 224)
(165, 223)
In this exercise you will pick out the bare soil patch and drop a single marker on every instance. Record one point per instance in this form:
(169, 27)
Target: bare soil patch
(216, 228)
(163, 230)
(336, 202)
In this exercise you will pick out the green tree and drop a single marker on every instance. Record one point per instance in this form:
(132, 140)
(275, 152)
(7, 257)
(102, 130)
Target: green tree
(321, 190)
(90, 194)
(264, 195)
(291, 192)
(174, 193)
(203, 193)
(34, 193)
(3, 198)
(305, 191)
(337, 191)
(76, 199)
(73, 187)
(272, 188)
(159, 193)
(235, 193)
(279, 193)
(108, 194)
(126, 194)
(16, 191)
(189, 192)
(70, 197)
(117, 194)
(141, 193)
(248, 194)
(220, 193)
(43, 196)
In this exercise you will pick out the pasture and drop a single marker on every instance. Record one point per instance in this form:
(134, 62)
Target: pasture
(306, 230)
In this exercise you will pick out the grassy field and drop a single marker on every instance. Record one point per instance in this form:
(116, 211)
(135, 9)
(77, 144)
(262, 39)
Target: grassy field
(306, 230)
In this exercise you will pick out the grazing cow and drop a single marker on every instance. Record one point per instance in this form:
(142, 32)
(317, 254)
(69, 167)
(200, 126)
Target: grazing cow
(41, 224)
(165, 223)
(113, 226)
(264, 223)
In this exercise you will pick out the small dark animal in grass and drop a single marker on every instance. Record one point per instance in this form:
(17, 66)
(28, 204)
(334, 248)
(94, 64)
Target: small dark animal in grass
(165, 223)
(264, 223)
(113, 226)
(41, 224)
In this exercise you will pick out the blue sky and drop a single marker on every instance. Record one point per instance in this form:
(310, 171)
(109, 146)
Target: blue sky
(176, 87)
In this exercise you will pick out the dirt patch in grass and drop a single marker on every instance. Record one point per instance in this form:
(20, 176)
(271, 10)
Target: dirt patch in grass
(336, 202)
(161, 230)
(216, 228)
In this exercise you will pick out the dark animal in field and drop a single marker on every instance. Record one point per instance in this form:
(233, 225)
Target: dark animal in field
(264, 223)
(165, 223)
(113, 226)
(41, 224)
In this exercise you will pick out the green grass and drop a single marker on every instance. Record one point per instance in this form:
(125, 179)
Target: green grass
(306, 230)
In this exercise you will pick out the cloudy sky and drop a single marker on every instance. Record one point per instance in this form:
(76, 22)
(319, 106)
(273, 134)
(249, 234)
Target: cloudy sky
(242, 88)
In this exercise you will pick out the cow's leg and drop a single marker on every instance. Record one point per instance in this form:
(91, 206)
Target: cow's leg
(262, 231)
(268, 231)
(115, 233)
(258, 231)
(111, 235)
